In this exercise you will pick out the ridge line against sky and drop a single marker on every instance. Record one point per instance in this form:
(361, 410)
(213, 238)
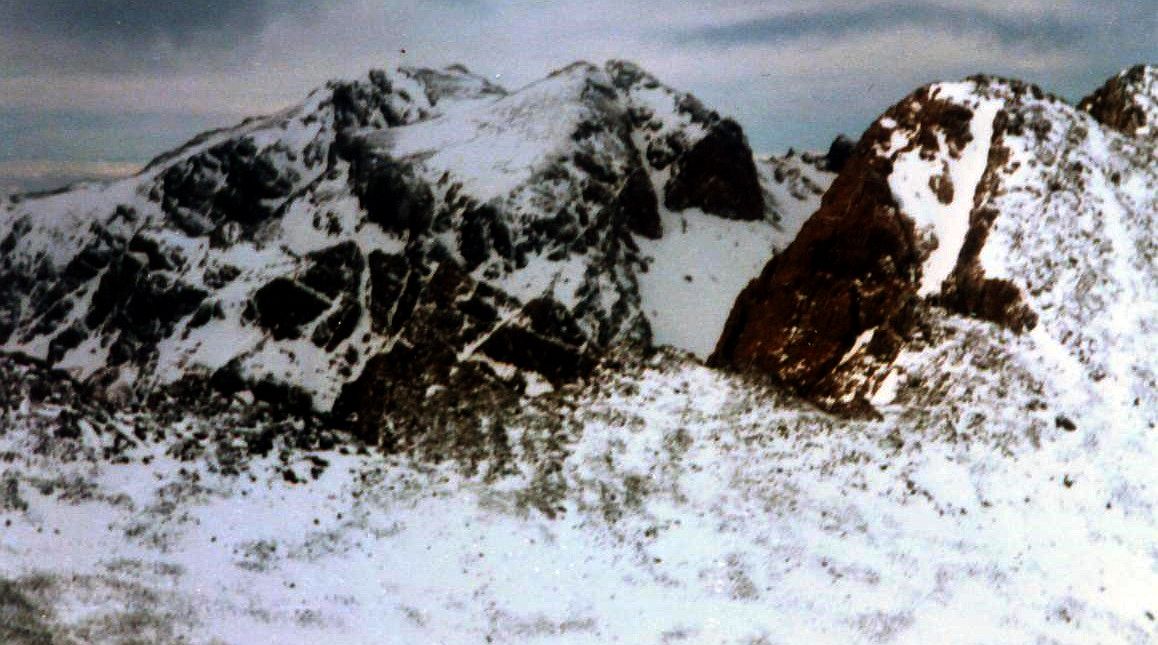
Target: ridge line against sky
(98, 87)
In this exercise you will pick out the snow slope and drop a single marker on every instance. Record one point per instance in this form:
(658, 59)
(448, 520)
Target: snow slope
(662, 502)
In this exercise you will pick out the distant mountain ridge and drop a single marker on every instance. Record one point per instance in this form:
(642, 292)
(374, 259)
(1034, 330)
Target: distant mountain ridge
(411, 228)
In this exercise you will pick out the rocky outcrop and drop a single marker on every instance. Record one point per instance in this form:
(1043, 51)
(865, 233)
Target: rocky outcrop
(232, 184)
(850, 269)
(829, 315)
(1127, 102)
(839, 152)
(989, 199)
(718, 176)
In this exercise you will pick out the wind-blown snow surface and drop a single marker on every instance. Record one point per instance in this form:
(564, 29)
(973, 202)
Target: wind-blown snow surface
(664, 502)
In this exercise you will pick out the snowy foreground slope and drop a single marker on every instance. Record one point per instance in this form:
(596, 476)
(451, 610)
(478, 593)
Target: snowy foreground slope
(973, 301)
(662, 502)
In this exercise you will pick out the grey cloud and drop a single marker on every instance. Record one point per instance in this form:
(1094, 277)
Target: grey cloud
(132, 35)
(1038, 31)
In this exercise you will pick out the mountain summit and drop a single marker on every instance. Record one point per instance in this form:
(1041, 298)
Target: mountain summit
(1127, 102)
(399, 234)
(985, 198)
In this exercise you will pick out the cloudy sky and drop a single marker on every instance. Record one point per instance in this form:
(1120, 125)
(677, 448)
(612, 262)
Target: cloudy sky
(95, 87)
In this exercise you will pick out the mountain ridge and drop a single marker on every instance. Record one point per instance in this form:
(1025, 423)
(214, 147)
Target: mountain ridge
(284, 254)
(934, 214)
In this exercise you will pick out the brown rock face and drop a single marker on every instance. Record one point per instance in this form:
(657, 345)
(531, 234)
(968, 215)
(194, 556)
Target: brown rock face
(850, 269)
(718, 176)
(850, 280)
(1113, 103)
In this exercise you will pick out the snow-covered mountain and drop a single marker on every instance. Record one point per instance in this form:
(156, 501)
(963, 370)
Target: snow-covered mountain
(957, 442)
(402, 233)
(986, 198)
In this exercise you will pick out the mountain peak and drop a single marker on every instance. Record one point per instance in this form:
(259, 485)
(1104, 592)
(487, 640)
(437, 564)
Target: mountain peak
(933, 209)
(455, 81)
(408, 230)
(1127, 102)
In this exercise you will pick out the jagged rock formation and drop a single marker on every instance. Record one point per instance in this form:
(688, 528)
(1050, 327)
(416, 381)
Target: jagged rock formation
(1127, 102)
(395, 235)
(985, 198)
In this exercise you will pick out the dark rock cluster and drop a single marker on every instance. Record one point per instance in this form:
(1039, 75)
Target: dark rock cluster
(718, 176)
(1114, 103)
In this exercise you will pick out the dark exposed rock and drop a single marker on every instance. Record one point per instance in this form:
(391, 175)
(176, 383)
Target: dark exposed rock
(482, 233)
(231, 182)
(693, 107)
(838, 153)
(942, 186)
(662, 151)
(558, 362)
(1113, 103)
(283, 397)
(390, 194)
(150, 314)
(625, 74)
(66, 340)
(335, 270)
(361, 104)
(550, 318)
(218, 276)
(159, 259)
(589, 164)
(718, 175)
(282, 306)
(390, 279)
(338, 326)
(206, 312)
(639, 206)
(854, 267)
(116, 287)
